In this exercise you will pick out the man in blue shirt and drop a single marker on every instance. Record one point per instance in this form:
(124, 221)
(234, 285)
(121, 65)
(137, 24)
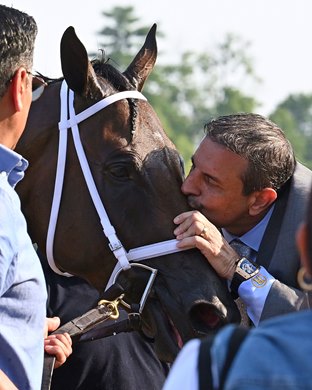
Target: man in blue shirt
(23, 292)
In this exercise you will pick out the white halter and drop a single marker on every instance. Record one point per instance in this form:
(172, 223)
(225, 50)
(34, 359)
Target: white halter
(124, 258)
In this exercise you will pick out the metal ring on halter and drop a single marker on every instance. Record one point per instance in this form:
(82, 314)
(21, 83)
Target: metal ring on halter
(147, 289)
(203, 232)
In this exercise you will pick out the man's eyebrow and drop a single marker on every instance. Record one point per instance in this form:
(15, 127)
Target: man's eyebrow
(214, 178)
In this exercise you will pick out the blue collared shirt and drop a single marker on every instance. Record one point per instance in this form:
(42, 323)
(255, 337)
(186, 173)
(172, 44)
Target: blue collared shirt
(12, 164)
(23, 292)
(254, 236)
(254, 291)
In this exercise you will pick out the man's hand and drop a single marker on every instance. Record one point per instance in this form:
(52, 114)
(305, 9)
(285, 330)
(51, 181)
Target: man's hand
(195, 231)
(59, 345)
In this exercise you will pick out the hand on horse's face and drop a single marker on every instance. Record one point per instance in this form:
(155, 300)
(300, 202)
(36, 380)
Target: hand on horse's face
(195, 231)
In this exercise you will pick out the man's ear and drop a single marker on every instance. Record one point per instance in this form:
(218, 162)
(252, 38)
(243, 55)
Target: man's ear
(261, 200)
(19, 86)
(302, 245)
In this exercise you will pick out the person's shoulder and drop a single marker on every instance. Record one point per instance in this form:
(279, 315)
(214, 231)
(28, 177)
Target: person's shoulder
(224, 334)
(301, 171)
(287, 323)
(300, 186)
(277, 338)
(191, 348)
(183, 374)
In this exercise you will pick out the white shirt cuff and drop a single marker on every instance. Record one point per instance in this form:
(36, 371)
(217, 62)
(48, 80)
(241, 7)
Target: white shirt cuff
(253, 293)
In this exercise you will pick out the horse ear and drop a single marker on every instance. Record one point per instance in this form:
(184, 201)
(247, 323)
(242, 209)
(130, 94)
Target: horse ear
(76, 67)
(143, 63)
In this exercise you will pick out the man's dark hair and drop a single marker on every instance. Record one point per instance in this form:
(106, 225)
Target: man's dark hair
(17, 38)
(270, 156)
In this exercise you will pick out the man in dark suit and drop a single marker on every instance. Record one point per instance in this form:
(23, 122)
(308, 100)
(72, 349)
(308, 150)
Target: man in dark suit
(250, 195)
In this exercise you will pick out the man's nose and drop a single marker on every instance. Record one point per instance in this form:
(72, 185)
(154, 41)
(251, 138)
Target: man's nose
(189, 186)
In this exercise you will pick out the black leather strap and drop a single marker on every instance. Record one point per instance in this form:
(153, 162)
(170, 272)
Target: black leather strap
(205, 381)
(48, 367)
(238, 336)
(83, 324)
(204, 364)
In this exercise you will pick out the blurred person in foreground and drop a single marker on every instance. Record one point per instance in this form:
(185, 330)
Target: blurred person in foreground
(23, 292)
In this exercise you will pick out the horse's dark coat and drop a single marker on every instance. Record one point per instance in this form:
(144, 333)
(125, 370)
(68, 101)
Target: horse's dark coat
(138, 174)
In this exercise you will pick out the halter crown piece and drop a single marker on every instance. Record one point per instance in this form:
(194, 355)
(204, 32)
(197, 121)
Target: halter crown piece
(123, 257)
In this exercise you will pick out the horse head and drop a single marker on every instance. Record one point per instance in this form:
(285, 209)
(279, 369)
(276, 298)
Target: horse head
(138, 173)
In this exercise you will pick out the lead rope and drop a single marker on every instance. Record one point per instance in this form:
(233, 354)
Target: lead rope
(123, 257)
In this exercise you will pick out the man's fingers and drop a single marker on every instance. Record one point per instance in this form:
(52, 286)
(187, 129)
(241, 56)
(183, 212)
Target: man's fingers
(59, 345)
(52, 323)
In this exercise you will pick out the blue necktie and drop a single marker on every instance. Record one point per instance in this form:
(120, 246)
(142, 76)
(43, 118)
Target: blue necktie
(241, 249)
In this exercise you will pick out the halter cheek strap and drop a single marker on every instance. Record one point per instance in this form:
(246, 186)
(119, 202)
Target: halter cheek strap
(123, 258)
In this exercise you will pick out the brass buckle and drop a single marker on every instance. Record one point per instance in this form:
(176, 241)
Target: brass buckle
(112, 306)
(147, 289)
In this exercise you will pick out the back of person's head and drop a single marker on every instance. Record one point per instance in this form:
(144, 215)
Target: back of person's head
(304, 244)
(309, 232)
(261, 142)
(17, 38)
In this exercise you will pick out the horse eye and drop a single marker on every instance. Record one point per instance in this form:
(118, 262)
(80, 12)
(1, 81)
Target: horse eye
(119, 171)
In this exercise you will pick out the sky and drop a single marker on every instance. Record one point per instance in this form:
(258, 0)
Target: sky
(279, 33)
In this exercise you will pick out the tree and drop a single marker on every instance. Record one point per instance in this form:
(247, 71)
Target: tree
(294, 116)
(234, 101)
(300, 106)
(188, 93)
(122, 36)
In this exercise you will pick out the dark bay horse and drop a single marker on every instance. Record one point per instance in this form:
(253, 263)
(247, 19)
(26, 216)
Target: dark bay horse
(137, 173)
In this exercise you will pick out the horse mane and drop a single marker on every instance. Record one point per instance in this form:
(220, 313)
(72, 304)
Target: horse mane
(112, 75)
(104, 69)
(107, 71)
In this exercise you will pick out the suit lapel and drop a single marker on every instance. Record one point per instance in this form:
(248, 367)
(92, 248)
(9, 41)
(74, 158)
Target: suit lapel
(272, 231)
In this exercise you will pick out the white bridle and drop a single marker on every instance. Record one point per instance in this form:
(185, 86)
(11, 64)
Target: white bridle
(124, 258)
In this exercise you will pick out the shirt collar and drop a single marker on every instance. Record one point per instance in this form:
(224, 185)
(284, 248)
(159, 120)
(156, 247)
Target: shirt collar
(13, 164)
(254, 236)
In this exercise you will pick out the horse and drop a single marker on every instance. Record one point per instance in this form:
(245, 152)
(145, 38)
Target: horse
(137, 173)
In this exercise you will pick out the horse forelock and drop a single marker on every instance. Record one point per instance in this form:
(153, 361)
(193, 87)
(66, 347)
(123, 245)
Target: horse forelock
(112, 75)
(119, 82)
(104, 70)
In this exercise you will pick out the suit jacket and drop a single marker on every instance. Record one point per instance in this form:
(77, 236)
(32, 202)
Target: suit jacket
(278, 252)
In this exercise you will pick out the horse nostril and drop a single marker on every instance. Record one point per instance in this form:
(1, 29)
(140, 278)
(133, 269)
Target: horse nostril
(206, 317)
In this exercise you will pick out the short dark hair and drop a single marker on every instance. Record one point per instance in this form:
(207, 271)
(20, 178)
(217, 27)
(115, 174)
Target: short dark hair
(18, 32)
(270, 156)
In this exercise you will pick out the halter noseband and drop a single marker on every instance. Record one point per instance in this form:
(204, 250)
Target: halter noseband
(123, 257)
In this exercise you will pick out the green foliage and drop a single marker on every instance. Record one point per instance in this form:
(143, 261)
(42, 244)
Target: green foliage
(294, 116)
(300, 106)
(121, 36)
(198, 86)
(233, 101)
